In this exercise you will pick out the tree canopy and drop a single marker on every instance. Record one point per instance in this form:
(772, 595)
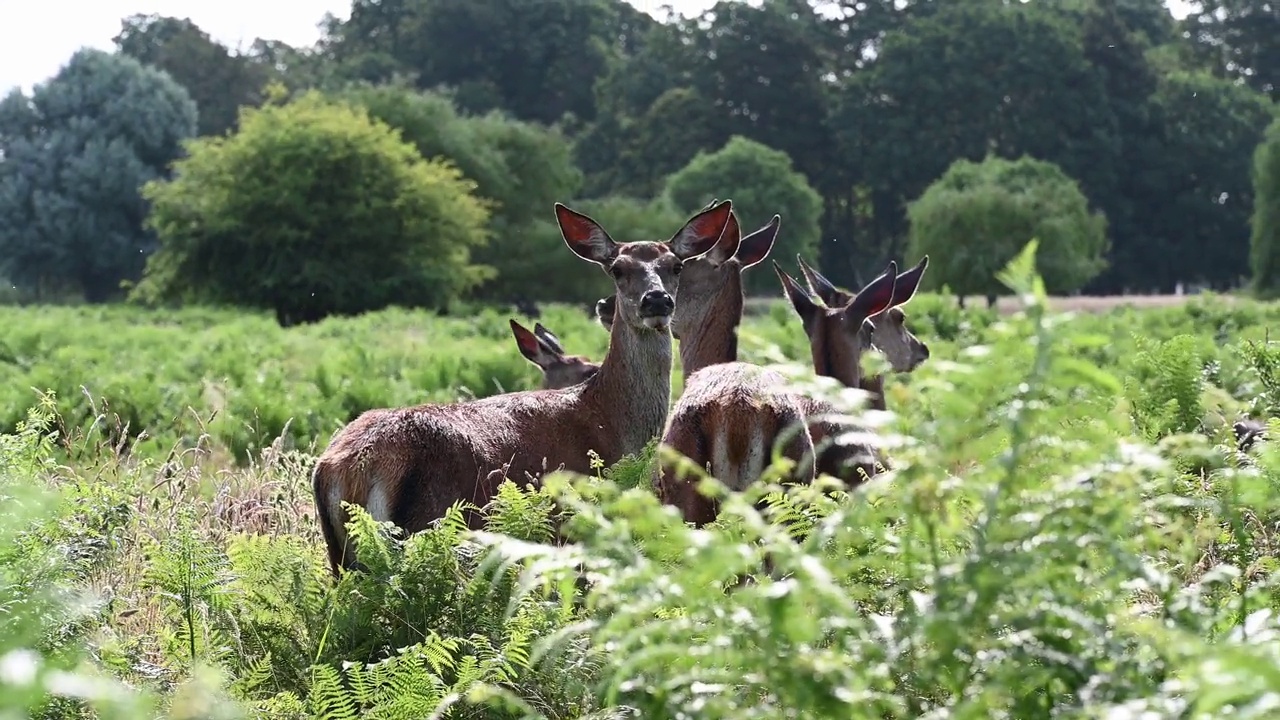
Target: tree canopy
(1155, 117)
(762, 182)
(72, 157)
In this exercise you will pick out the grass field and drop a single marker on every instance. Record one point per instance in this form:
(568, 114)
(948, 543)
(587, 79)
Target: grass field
(1068, 532)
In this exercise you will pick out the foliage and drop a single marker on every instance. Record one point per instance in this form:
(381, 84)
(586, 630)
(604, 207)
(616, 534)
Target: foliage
(72, 156)
(313, 209)
(1239, 38)
(949, 69)
(974, 219)
(761, 181)
(522, 168)
(1033, 554)
(219, 81)
(1211, 128)
(1266, 214)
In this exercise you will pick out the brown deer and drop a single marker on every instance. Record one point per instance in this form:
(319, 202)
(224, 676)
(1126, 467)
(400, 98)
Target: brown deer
(888, 330)
(838, 337)
(542, 348)
(409, 465)
(731, 414)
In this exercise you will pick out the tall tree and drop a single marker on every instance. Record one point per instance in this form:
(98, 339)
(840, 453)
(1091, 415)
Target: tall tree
(1238, 39)
(219, 81)
(536, 60)
(965, 81)
(1199, 218)
(73, 156)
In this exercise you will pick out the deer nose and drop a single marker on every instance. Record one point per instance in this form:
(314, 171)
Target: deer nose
(924, 351)
(657, 302)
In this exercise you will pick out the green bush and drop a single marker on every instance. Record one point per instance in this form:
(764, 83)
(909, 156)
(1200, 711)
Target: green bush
(977, 216)
(522, 169)
(1266, 214)
(313, 209)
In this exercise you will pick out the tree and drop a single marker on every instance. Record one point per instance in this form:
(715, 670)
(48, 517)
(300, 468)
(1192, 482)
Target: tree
(977, 217)
(313, 209)
(72, 157)
(219, 81)
(522, 168)
(678, 125)
(1266, 214)
(1238, 39)
(1198, 220)
(964, 81)
(761, 182)
(536, 60)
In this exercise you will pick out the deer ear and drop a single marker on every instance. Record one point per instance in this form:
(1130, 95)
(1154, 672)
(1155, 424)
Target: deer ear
(904, 288)
(529, 346)
(702, 232)
(585, 237)
(548, 338)
(728, 244)
(822, 287)
(801, 301)
(754, 248)
(876, 297)
(605, 308)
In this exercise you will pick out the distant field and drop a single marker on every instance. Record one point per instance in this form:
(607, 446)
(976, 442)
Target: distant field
(1082, 303)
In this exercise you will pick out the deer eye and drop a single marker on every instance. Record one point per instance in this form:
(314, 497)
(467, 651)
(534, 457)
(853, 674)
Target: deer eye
(675, 269)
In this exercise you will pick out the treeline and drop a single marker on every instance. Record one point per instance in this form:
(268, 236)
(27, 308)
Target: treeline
(299, 195)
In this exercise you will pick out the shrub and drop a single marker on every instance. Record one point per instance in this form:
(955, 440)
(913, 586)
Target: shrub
(522, 168)
(1266, 214)
(313, 209)
(977, 216)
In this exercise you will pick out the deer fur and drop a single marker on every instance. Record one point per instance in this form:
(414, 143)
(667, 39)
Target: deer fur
(542, 348)
(731, 413)
(409, 465)
(838, 337)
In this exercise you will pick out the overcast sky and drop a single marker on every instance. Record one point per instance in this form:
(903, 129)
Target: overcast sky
(38, 36)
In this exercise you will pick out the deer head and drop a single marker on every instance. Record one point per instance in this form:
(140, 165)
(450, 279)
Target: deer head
(888, 329)
(839, 335)
(542, 348)
(645, 274)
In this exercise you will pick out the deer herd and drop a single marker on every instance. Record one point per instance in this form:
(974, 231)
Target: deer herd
(410, 465)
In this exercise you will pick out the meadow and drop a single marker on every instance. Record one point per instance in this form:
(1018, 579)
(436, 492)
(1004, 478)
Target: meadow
(1068, 532)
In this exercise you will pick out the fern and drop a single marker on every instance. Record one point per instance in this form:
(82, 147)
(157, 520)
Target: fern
(1165, 386)
(192, 579)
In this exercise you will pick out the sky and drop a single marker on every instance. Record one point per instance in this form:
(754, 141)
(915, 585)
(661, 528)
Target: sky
(38, 36)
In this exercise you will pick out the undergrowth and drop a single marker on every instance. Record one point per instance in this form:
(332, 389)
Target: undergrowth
(1064, 534)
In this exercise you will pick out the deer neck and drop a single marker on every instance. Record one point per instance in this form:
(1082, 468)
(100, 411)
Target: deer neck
(835, 359)
(633, 385)
(714, 338)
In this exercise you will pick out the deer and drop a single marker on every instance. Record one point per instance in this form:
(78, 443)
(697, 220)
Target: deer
(410, 465)
(838, 337)
(542, 348)
(731, 413)
(888, 330)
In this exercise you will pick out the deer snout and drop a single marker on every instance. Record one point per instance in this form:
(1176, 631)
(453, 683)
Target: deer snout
(657, 303)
